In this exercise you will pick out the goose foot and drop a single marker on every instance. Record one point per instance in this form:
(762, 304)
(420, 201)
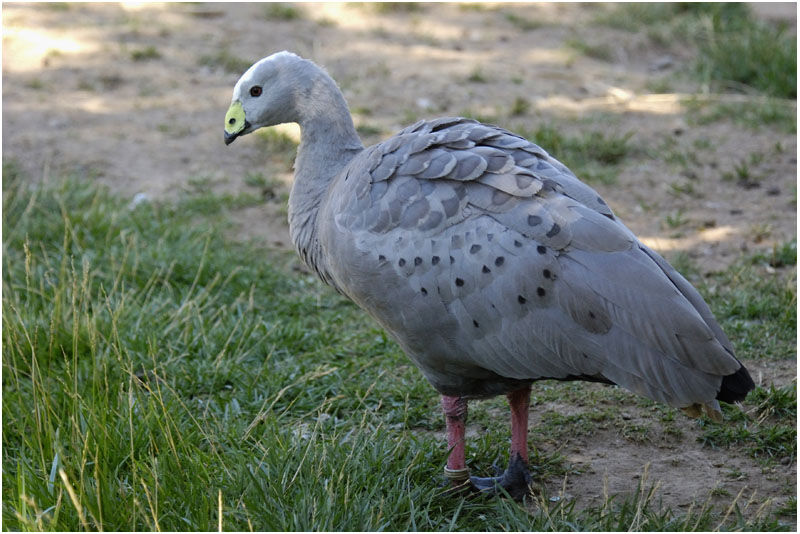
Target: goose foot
(515, 481)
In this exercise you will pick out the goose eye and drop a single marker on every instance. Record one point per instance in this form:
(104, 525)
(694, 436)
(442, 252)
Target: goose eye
(255, 90)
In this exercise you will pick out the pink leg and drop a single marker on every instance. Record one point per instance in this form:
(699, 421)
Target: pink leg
(455, 411)
(516, 478)
(519, 401)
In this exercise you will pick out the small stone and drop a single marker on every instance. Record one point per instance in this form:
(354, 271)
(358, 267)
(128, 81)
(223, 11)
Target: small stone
(138, 198)
(424, 103)
(662, 63)
(748, 184)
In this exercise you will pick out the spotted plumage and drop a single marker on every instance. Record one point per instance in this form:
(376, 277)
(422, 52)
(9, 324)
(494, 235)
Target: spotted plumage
(571, 291)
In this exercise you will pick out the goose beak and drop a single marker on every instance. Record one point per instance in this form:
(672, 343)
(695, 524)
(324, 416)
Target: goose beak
(235, 122)
(230, 138)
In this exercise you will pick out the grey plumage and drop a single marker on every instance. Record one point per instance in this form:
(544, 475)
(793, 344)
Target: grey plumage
(580, 296)
(488, 261)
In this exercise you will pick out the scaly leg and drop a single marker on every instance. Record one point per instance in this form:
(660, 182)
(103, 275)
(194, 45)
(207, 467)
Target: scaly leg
(455, 411)
(516, 479)
(519, 401)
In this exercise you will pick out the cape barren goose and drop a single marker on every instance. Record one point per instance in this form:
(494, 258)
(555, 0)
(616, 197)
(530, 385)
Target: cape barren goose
(487, 260)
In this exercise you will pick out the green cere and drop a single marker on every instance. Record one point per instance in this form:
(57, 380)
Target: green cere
(234, 118)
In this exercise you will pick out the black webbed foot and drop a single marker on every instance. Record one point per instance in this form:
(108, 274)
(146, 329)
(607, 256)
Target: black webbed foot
(515, 481)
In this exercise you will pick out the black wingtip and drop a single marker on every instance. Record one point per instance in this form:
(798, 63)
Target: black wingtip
(735, 387)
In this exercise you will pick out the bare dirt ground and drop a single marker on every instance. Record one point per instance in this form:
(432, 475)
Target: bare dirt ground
(134, 95)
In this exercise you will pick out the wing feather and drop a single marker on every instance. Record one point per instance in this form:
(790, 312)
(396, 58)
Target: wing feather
(485, 256)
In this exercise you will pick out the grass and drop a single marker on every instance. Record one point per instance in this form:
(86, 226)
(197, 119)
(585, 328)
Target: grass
(659, 85)
(758, 308)
(200, 198)
(523, 23)
(486, 117)
(388, 8)
(145, 54)
(783, 255)
(634, 16)
(152, 361)
(754, 114)
(675, 219)
(368, 130)
(477, 76)
(735, 51)
(225, 60)
(674, 153)
(158, 376)
(742, 174)
(36, 84)
(520, 106)
(284, 12)
(270, 187)
(684, 187)
(768, 433)
(599, 51)
(592, 155)
(279, 146)
(58, 6)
